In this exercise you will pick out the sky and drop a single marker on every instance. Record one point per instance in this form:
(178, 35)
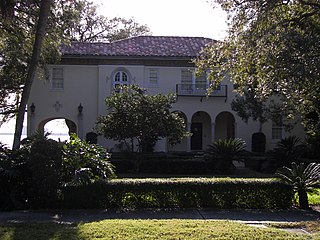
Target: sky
(188, 18)
(191, 18)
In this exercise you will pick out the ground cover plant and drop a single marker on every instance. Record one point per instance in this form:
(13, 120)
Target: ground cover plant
(143, 229)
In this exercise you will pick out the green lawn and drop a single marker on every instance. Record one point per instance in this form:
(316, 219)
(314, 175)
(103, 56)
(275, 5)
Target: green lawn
(143, 229)
(314, 198)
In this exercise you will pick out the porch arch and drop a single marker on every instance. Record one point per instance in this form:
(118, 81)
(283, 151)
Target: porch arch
(71, 125)
(224, 126)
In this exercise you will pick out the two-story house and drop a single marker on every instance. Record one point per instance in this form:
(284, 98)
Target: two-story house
(88, 73)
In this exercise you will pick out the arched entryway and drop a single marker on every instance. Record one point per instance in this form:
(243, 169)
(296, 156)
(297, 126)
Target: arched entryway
(183, 145)
(224, 126)
(59, 128)
(201, 131)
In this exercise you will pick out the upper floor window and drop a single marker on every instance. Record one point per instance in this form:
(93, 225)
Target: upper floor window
(186, 76)
(57, 81)
(153, 77)
(277, 130)
(120, 78)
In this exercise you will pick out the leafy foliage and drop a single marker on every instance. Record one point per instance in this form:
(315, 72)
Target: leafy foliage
(302, 179)
(272, 47)
(84, 163)
(136, 115)
(222, 152)
(289, 150)
(180, 192)
(88, 26)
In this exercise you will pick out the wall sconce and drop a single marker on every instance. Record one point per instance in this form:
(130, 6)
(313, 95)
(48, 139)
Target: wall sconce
(32, 108)
(80, 109)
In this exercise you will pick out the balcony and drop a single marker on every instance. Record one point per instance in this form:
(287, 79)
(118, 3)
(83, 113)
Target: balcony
(200, 90)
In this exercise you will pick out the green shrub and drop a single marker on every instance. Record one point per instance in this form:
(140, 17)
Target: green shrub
(164, 163)
(288, 150)
(84, 163)
(222, 153)
(44, 162)
(303, 179)
(170, 193)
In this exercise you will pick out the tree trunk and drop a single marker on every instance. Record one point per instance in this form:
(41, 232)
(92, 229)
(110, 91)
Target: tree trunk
(40, 33)
(303, 199)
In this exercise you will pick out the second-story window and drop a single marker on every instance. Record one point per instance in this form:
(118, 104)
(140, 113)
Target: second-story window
(57, 81)
(153, 77)
(120, 78)
(277, 130)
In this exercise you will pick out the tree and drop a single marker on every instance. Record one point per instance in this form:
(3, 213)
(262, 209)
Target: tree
(30, 35)
(89, 26)
(273, 47)
(135, 115)
(302, 178)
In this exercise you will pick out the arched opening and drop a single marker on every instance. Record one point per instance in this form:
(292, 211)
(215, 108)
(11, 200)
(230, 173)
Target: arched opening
(59, 128)
(182, 146)
(201, 131)
(224, 126)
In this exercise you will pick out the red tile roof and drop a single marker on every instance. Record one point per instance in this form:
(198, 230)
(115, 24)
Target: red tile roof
(143, 46)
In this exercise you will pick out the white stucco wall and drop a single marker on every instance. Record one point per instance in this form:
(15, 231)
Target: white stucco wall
(90, 85)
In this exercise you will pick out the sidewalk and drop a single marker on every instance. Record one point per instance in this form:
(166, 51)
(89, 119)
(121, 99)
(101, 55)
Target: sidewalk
(76, 216)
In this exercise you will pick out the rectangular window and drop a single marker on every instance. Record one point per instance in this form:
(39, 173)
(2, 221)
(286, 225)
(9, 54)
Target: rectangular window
(277, 130)
(153, 76)
(57, 78)
(186, 76)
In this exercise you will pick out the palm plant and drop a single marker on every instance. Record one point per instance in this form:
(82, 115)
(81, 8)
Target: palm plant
(303, 179)
(289, 150)
(223, 152)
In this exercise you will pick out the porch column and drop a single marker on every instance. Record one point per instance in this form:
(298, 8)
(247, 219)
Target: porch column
(213, 130)
(189, 138)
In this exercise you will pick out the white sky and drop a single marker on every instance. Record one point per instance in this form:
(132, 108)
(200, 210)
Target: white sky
(192, 18)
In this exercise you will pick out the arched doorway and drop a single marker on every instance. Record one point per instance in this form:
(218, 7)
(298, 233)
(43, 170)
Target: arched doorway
(201, 131)
(224, 126)
(59, 128)
(182, 146)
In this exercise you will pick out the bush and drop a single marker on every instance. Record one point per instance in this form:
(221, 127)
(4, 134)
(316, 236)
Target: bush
(164, 163)
(84, 163)
(289, 150)
(222, 153)
(170, 193)
(45, 163)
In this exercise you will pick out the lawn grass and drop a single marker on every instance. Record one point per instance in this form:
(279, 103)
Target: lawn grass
(142, 229)
(314, 198)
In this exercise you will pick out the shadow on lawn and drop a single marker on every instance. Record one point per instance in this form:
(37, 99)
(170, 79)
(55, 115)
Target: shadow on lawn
(43, 231)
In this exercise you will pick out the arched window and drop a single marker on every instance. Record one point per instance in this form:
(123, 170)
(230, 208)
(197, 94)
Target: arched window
(120, 78)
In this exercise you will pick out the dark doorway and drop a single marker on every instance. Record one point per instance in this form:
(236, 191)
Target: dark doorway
(196, 138)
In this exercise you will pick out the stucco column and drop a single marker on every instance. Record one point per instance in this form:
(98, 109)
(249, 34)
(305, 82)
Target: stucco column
(213, 130)
(189, 138)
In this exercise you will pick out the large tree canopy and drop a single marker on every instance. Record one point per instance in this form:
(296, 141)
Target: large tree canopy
(274, 48)
(30, 37)
(136, 115)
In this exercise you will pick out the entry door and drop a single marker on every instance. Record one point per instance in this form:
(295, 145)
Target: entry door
(196, 138)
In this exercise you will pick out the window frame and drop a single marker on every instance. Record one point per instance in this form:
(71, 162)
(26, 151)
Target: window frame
(57, 83)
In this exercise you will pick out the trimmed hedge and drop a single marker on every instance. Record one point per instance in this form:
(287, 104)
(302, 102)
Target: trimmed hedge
(163, 163)
(185, 193)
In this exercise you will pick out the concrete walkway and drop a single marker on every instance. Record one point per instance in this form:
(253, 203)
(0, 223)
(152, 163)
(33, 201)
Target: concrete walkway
(76, 216)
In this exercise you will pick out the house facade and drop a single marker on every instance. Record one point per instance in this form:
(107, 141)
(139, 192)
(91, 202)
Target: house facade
(89, 72)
